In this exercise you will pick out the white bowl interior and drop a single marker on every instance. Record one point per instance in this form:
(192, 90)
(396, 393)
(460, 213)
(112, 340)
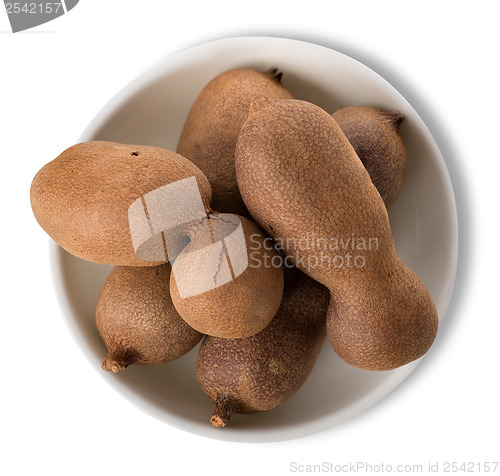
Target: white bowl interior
(151, 111)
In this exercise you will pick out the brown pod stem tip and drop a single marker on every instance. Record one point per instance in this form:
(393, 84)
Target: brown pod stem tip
(225, 408)
(275, 74)
(117, 360)
(395, 118)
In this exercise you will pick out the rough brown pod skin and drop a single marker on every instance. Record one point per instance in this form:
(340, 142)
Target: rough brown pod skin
(261, 372)
(244, 305)
(374, 135)
(302, 180)
(81, 198)
(213, 124)
(137, 320)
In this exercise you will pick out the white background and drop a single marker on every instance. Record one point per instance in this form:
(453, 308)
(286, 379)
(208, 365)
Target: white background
(58, 416)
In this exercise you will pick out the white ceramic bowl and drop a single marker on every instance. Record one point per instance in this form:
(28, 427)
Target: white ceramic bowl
(151, 111)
